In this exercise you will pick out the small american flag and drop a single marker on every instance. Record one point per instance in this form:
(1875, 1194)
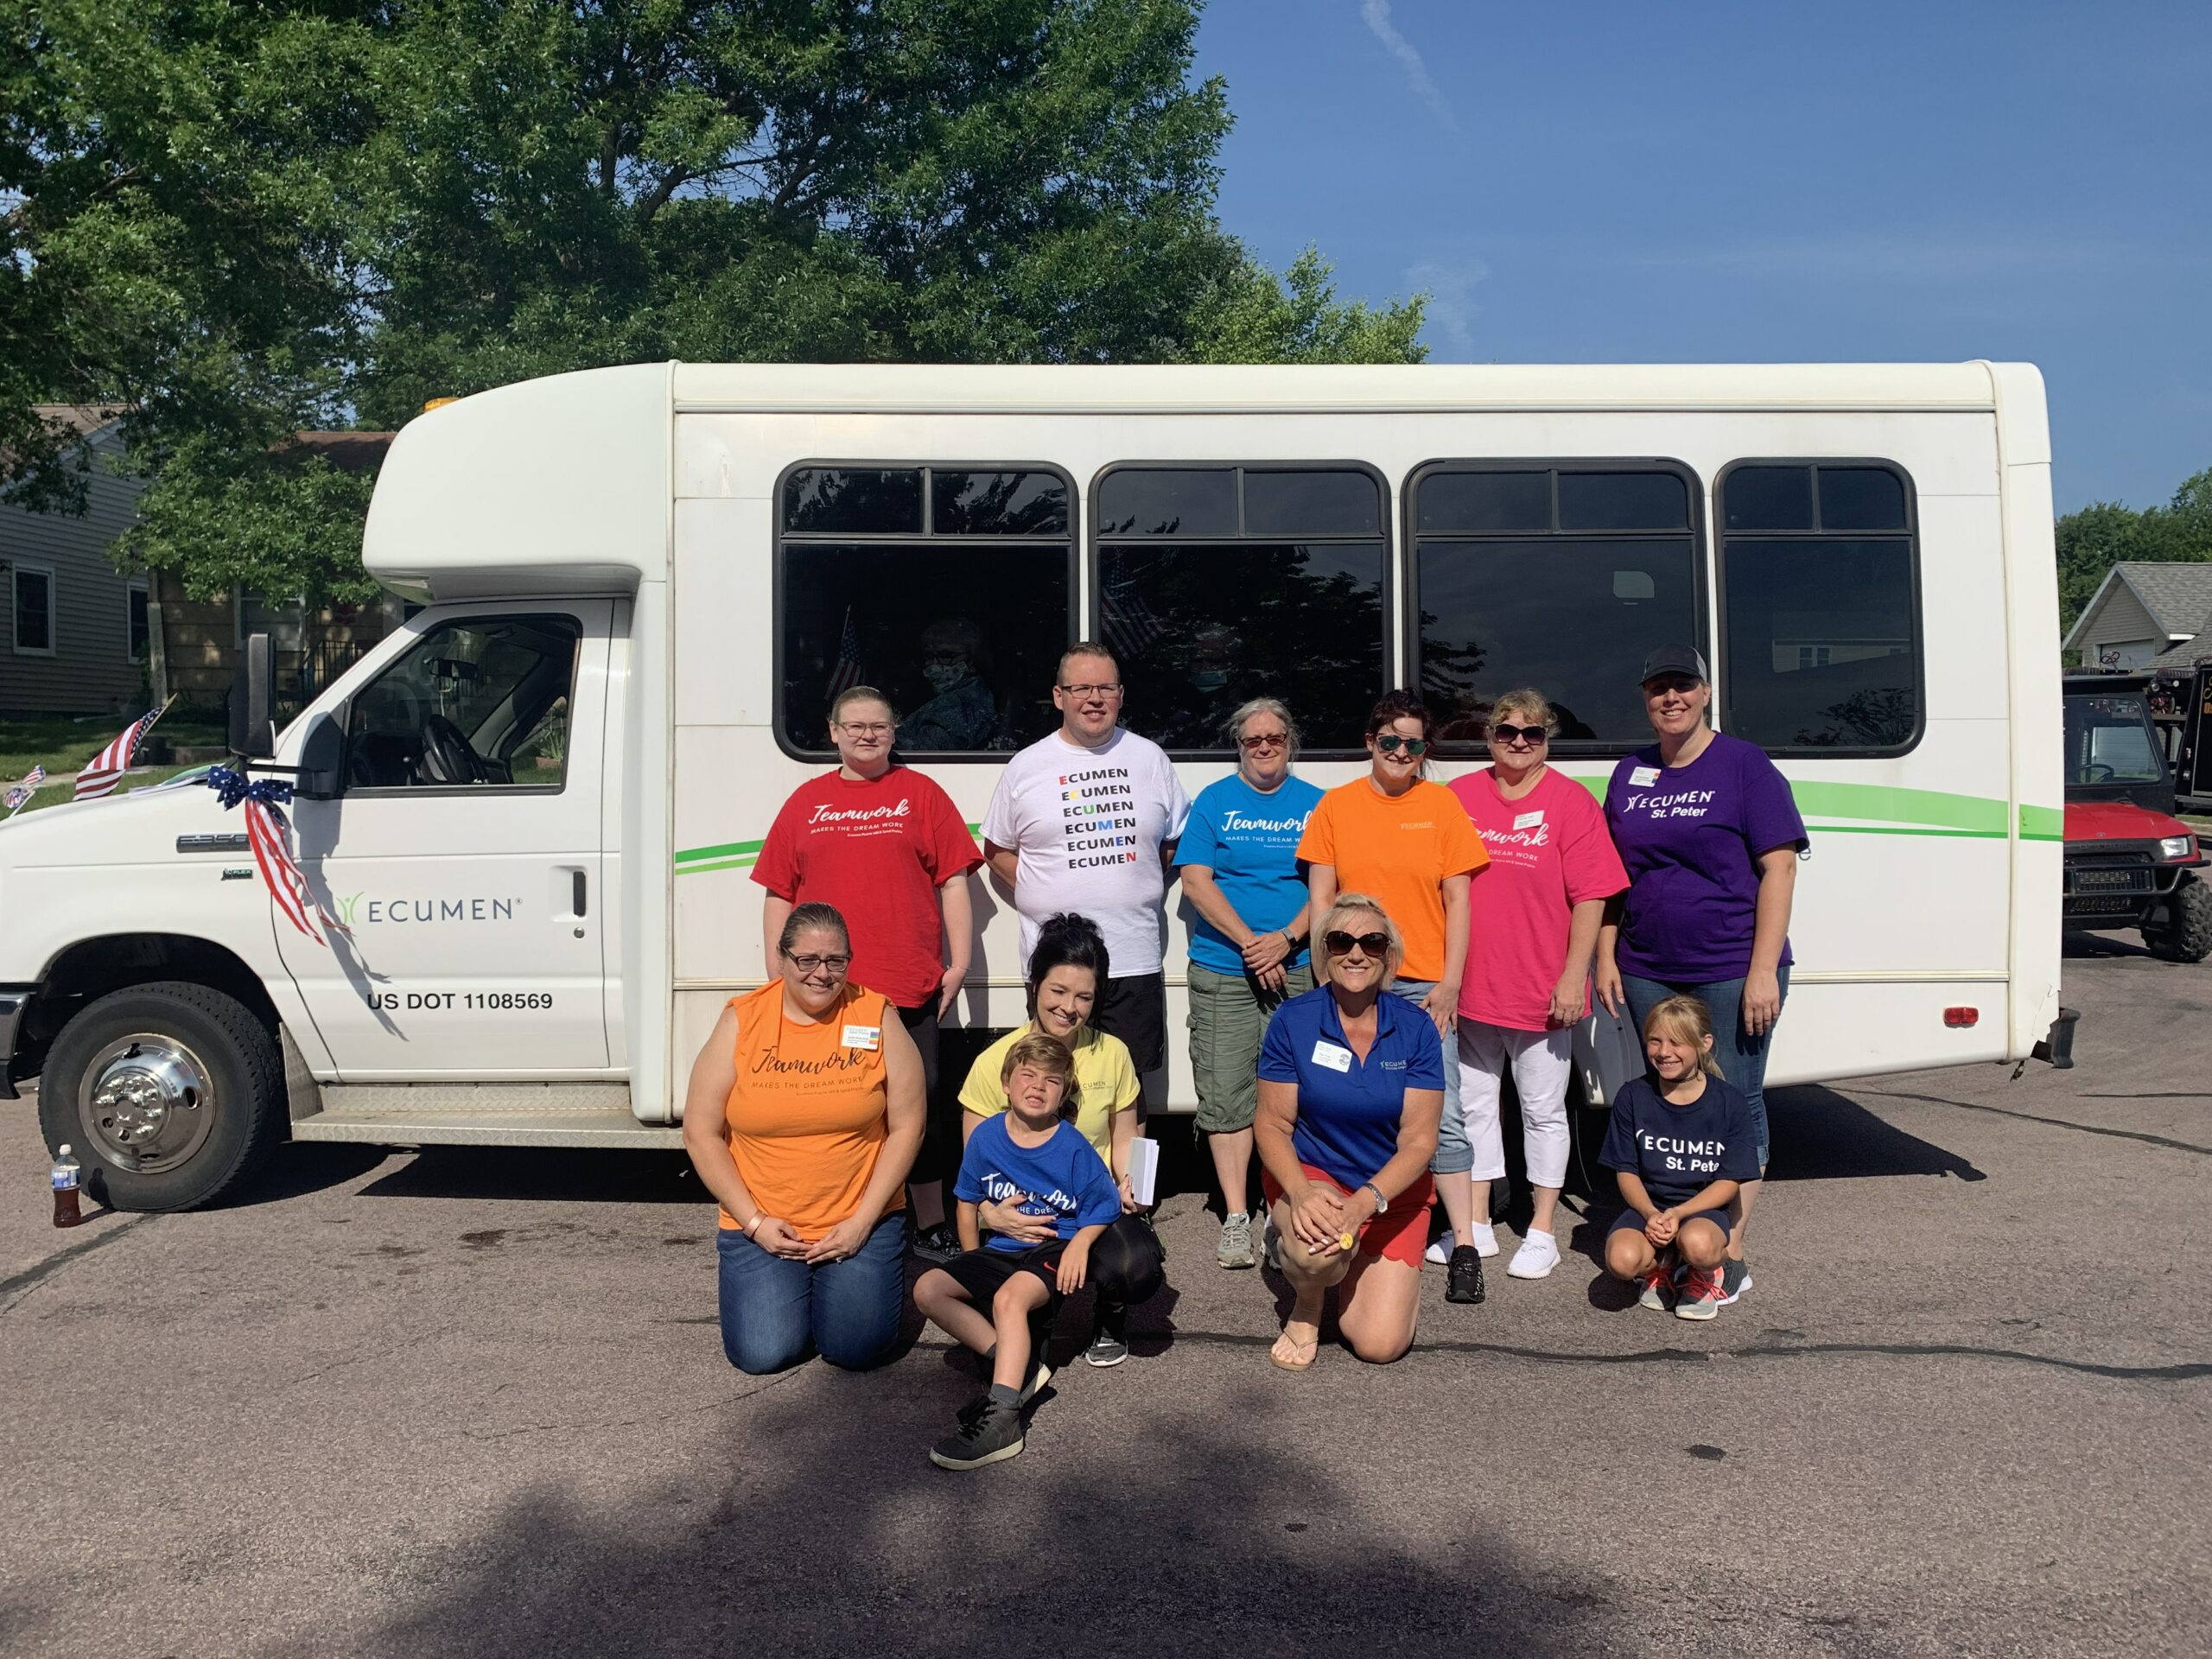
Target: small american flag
(19, 794)
(1126, 621)
(105, 770)
(846, 673)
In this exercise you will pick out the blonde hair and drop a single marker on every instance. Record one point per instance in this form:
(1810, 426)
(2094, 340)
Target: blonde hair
(1049, 1055)
(1528, 702)
(1349, 904)
(861, 694)
(1687, 1021)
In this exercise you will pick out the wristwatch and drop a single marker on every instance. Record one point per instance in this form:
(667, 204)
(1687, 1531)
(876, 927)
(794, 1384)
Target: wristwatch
(1382, 1203)
(1292, 939)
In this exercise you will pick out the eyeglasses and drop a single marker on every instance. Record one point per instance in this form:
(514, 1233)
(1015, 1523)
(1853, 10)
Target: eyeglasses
(1370, 944)
(835, 965)
(1511, 736)
(872, 729)
(1264, 740)
(1103, 689)
(1390, 743)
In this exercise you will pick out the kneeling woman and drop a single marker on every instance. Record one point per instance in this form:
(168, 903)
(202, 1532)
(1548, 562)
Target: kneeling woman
(803, 1116)
(1351, 1085)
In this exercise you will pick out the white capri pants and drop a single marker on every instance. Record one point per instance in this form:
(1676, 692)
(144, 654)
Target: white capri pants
(1542, 1061)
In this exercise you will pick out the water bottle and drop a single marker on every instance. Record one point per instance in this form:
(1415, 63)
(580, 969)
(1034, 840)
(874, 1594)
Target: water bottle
(65, 1212)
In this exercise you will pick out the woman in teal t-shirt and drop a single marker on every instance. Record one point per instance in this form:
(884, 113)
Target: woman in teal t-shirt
(1239, 859)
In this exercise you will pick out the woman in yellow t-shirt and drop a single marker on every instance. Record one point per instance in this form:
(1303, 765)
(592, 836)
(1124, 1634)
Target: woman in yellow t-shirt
(1410, 844)
(1066, 971)
(802, 1118)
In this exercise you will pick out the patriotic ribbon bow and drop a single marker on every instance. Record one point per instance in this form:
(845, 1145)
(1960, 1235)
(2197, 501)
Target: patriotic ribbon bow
(269, 837)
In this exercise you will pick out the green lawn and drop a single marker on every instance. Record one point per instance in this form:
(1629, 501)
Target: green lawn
(62, 746)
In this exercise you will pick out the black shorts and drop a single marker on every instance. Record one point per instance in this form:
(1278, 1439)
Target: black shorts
(980, 1273)
(1136, 1010)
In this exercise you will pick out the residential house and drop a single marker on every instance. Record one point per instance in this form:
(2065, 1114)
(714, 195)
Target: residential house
(2143, 609)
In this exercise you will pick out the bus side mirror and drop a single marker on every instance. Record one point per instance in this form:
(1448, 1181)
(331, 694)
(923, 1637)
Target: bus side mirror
(253, 698)
(321, 776)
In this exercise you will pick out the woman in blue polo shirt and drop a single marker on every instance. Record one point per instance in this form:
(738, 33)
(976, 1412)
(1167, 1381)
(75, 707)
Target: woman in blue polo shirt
(1352, 1086)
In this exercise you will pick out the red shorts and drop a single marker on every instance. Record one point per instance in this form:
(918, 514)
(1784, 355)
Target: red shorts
(1400, 1234)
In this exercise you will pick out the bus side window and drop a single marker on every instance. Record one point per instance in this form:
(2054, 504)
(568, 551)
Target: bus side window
(1221, 582)
(1562, 575)
(1820, 591)
(949, 588)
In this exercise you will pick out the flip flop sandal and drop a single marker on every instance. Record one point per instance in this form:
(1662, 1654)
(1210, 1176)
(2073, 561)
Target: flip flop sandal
(1306, 1364)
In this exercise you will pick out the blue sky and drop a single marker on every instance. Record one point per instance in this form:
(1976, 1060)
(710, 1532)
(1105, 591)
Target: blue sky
(1591, 181)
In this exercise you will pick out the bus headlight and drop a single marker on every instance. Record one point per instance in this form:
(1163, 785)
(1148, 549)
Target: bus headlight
(2178, 846)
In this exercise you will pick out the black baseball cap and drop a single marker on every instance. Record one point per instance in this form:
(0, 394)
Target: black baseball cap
(1674, 659)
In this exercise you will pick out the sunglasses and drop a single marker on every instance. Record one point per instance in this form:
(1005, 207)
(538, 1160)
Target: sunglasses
(1263, 740)
(1390, 743)
(1508, 736)
(1370, 944)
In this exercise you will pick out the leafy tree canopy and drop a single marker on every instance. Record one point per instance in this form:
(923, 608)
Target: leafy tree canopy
(2105, 533)
(242, 217)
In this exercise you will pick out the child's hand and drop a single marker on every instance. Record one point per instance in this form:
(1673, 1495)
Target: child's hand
(1128, 1196)
(1073, 1261)
(1662, 1228)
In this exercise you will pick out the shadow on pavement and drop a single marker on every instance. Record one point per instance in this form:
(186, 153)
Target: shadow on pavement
(2074, 943)
(1821, 1135)
(543, 1175)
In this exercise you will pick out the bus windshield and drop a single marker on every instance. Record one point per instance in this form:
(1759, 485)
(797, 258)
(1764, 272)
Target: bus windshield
(2109, 740)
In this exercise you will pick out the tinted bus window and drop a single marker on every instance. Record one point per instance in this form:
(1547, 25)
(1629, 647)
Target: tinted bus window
(1219, 584)
(1821, 618)
(950, 589)
(1560, 577)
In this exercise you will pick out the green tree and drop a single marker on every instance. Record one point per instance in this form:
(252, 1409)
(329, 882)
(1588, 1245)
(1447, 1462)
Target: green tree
(2103, 534)
(238, 219)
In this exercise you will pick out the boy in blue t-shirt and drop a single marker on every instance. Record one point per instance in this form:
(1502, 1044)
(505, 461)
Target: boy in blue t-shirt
(1680, 1143)
(995, 1297)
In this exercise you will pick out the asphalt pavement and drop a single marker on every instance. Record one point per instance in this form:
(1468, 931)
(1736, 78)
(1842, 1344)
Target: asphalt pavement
(472, 1402)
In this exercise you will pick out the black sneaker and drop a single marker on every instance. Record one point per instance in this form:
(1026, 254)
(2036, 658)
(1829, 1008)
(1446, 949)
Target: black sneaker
(1463, 1275)
(989, 1433)
(1110, 1346)
(938, 1243)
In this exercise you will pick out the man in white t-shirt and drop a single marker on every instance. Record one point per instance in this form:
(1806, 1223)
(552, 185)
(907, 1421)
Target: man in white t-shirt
(1086, 820)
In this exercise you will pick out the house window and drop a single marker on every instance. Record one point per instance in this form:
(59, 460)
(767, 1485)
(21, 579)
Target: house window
(134, 619)
(34, 590)
(1820, 607)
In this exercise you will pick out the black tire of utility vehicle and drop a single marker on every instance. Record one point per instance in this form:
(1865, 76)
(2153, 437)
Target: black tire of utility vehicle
(230, 1053)
(2186, 934)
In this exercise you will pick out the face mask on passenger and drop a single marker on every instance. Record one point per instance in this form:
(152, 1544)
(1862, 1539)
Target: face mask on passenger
(1209, 679)
(944, 677)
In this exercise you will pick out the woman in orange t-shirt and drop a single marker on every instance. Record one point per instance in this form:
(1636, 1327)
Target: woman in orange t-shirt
(802, 1118)
(1410, 844)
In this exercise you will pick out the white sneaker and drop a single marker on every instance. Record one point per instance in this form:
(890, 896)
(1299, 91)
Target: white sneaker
(1441, 1252)
(1537, 1256)
(1484, 1239)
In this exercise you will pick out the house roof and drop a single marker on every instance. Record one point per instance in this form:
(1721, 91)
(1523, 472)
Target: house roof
(349, 452)
(2185, 654)
(2176, 592)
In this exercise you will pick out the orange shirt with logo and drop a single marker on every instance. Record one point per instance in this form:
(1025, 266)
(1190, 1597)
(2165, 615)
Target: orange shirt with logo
(1396, 850)
(806, 1115)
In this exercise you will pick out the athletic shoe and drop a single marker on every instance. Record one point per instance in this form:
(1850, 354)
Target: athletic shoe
(989, 1432)
(1537, 1256)
(1107, 1348)
(938, 1243)
(1658, 1282)
(1463, 1278)
(1484, 1239)
(1700, 1297)
(1235, 1250)
(1439, 1249)
(1735, 1280)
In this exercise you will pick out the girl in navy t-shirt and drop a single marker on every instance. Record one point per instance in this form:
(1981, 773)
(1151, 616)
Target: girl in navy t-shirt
(1680, 1143)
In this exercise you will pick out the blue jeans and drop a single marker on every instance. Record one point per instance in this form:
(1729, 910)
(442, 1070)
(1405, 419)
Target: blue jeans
(775, 1311)
(1742, 1058)
(1455, 1154)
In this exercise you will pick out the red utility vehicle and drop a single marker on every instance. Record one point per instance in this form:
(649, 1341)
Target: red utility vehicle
(2129, 861)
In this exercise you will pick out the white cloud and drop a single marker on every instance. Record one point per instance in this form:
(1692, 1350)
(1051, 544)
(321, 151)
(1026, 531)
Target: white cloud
(1375, 14)
(1451, 305)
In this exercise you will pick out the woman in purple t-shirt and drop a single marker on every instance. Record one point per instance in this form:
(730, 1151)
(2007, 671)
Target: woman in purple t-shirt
(1710, 834)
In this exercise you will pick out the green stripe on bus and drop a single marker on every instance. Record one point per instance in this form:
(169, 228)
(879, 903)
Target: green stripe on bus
(2043, 824)
(751, 849)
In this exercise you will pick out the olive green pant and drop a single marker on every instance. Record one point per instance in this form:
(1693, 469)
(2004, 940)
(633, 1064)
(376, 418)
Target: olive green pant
(1228, 1016)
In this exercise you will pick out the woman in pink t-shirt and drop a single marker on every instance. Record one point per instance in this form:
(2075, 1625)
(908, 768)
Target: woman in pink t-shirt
(1532, 927)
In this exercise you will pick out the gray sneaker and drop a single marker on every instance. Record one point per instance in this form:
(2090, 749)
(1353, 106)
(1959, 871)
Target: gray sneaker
(1235, 1250)
(1735, 1280)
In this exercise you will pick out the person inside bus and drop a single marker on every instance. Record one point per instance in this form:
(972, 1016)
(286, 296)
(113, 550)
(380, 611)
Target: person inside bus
(1408, 841)
(1351, 1082)
(884, 845)
(1681, 1145)
(960, 713)
(1710, 834)
(1239, 859)
(1065, 972)
(1531, 937)
(802, 1117)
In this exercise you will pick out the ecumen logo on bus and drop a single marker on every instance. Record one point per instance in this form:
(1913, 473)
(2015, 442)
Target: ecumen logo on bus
(351, 910)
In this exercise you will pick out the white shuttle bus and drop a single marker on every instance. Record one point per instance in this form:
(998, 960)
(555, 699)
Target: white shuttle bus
(534, 809)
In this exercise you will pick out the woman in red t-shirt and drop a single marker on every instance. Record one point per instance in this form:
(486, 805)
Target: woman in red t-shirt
(887, 847)
(1532, 927)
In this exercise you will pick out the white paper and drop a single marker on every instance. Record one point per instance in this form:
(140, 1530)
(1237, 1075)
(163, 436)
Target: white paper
(867, 1037)
(1144, 1168)
(1643, 777)
(1530, 820)
(1327, 1053)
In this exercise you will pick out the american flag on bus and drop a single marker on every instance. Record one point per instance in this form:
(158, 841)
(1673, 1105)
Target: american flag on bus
(846, 673)
(21, 791)
(105, 770)
(1125, 619)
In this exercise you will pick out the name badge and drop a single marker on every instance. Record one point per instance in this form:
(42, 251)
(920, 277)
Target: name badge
(1528, 820)
(1643, 776)
(1327, 1053)
(869, 1036)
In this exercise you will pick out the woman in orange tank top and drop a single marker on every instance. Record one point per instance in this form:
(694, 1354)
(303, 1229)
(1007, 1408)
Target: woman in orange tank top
(803, 1119)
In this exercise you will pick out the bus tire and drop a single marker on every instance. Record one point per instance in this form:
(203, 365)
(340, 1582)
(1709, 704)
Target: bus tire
(170, 1095)
(2185, 935)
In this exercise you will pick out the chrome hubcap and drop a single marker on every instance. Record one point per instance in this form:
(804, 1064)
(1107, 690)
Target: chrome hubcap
(146, 1102)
